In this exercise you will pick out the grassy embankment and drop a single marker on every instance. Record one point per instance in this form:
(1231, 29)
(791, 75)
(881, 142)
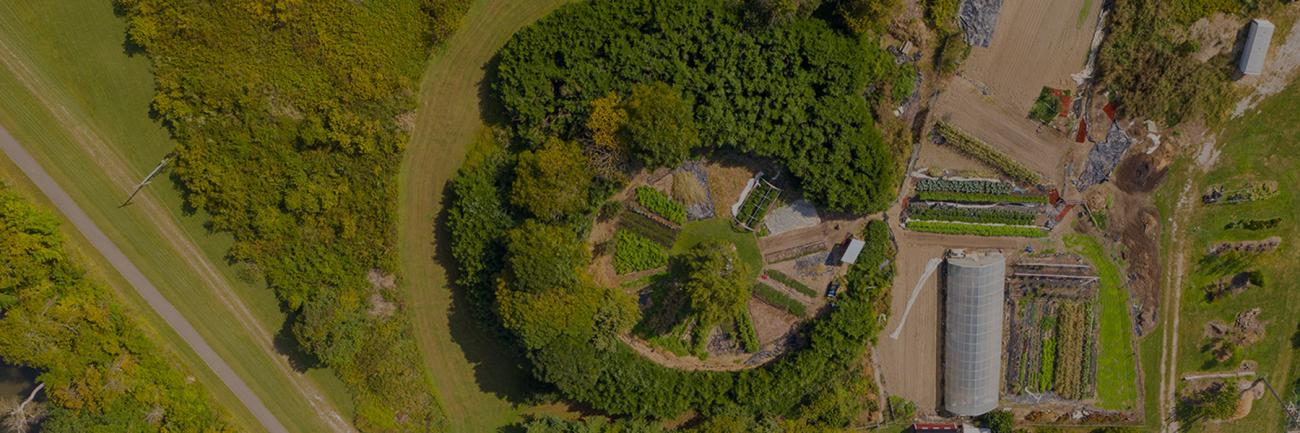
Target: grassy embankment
(80, 104)
(1116, 364)
(1258, 146)
(478, 376)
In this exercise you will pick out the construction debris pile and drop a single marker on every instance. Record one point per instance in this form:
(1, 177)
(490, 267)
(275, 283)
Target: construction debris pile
(1104, 157)
(978, 18)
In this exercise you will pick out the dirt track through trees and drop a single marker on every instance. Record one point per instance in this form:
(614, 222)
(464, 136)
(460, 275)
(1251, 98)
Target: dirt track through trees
(475, 376)
(146, 289)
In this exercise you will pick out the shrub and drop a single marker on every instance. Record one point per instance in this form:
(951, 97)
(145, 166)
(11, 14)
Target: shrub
(1047, 107)
(975, 229)
(998, 421)
(635, 253)
(659, 203)
(775, 298)
(901, 408)
(984, 153)
(1217, 401)
(790, 282)
(1252, 224)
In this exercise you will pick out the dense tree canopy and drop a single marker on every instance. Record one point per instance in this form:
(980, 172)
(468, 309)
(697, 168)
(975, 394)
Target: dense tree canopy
(552, 182)
(713, 281)
(661, 125)
(102, 370)
(544, 257)
(793, 92)
(290, 118)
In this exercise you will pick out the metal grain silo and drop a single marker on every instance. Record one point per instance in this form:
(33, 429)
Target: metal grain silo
(973, 332)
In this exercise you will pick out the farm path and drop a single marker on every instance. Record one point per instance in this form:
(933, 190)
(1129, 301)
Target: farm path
(479, 380)
(1173, 298)
(132, 274)
(115, 167)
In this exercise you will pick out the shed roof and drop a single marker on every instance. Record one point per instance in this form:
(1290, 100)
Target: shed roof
(1255, 52)
(851, 253)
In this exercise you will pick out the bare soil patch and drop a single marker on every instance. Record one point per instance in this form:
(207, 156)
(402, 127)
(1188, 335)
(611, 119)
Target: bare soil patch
(1140, 173)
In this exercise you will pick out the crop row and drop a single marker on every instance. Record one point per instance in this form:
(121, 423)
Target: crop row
(1073, 379)
(966, 186)
(971, 215)
(962, 197)
(979, 150)
(745, 332)
(756, 204)
(776, 298)
(790, 282)
(659, 203)
(952, 228)
(634, 253)
(647, 227)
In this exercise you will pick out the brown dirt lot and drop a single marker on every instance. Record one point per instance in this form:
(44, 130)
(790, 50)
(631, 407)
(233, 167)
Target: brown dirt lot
(1037, 43)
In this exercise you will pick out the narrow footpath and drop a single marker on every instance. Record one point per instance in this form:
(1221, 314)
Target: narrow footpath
(146, 289)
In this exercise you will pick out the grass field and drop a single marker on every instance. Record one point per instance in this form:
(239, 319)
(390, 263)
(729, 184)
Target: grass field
(1260, 146)
(720, 229)
(80, 105)
(1116, 364)
(479, 377)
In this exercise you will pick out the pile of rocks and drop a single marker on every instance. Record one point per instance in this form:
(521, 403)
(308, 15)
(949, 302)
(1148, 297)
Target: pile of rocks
(1104, 157)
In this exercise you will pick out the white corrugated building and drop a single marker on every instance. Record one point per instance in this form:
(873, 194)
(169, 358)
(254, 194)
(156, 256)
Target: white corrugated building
(972, 349)
(1255, 52)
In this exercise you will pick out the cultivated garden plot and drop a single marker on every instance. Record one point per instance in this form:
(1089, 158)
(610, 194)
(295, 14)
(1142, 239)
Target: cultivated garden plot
(975, 207)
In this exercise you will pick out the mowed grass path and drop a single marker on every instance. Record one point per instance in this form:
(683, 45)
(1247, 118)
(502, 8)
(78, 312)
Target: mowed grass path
(1116, 363)
(1263, 145)
(80, 104)
(477, 375)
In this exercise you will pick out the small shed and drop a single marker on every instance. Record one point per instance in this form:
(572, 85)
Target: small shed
(852, 251)
(1255, 52)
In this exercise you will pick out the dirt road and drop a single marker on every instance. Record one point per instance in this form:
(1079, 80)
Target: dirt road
(160, 305)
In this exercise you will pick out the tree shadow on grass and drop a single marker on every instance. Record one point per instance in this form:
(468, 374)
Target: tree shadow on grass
(490, 108)
(499, 365)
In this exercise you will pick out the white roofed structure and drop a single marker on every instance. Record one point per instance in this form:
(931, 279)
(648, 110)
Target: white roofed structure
(1255, 52)
(972, 352)
(851, 252)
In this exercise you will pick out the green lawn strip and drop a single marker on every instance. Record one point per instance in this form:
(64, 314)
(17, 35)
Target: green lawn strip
(790, 282)
(1083, 13)
(746, 244)
(963, 197)
(776, 298)
(955, 228)
(87, 74)
(1116, 374)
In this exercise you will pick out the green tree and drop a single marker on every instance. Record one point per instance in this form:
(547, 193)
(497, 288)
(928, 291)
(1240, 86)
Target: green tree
(780, 12)
(543, 257)
(998, 421)
(713, 280)
(552, 182)
(863, 16)
(661, 125)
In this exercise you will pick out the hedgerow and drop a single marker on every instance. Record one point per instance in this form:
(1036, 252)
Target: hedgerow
(791, 92)
(963, 186)
(952, 228)
(958, 197)
(662, 205)
(981, 151)
(971, 215)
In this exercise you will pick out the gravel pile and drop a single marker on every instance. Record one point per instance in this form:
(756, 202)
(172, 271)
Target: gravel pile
(978, 18)
(798, 214)
(1103, 158)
